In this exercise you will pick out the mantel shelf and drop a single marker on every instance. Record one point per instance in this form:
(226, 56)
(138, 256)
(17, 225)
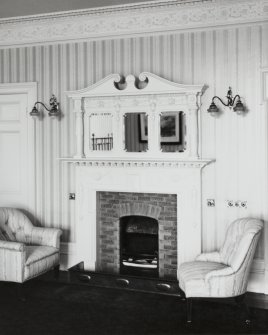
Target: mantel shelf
(134, 162)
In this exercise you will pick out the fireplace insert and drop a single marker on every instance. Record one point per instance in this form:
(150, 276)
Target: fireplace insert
(139, 246)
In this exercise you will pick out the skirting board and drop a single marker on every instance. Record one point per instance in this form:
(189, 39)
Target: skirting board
(256, 283)
(67, 255)
(256, 279)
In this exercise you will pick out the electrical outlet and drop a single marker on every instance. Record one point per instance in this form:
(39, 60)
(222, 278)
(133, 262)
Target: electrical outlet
(237, 203)
(71, 196)
(230, 203)
(243, 204)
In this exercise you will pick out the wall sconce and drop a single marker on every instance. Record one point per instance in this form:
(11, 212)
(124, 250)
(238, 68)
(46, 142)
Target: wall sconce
(53, 111)
(237, 107)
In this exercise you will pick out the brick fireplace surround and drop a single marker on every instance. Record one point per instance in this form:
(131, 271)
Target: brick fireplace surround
(111, 206)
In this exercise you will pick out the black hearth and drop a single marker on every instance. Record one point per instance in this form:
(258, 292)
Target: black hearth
(139, 246)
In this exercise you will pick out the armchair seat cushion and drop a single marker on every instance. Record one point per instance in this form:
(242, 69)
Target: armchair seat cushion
(192, 277)
(39, 259)
(35, 253)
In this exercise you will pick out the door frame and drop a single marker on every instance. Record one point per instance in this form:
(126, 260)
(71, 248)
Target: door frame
(264, 110)
(29, 88)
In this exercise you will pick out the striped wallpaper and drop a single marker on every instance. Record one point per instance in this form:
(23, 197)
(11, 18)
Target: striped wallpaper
(217, 58)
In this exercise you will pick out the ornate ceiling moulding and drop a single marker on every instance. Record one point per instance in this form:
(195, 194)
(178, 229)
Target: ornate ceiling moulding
(127, 20)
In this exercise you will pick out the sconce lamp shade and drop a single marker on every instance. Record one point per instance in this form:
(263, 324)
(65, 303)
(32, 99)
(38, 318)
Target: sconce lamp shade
(213, 109)
(239, 107)
(34, 112)
(54, 112)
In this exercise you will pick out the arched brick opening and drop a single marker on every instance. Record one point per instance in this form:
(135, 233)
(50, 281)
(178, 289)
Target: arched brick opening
(111, 206)
(139, 245)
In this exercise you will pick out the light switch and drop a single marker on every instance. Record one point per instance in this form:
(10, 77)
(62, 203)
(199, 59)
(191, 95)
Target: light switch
(211, 202)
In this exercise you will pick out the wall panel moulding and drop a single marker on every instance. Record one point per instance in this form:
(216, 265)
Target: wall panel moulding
(131, 19)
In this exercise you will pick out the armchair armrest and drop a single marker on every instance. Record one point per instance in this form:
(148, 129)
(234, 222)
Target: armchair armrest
(44, 236)
(15, 246)
(12, 260)
(209, 257)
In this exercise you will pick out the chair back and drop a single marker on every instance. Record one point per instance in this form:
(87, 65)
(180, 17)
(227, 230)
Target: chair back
(13, 224)
(240, 242)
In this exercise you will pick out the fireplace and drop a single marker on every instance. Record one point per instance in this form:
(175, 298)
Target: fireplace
(138, 183)
(105, 192)
(139, 246)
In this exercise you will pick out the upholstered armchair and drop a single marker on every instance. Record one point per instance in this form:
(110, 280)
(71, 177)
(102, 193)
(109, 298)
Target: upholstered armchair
(224, 273)
(26, 251)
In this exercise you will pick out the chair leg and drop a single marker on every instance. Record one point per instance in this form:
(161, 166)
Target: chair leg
(57, 272)
(189, 309)
(240, 300)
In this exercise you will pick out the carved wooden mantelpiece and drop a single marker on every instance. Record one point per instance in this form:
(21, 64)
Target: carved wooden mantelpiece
(125, 20)
(150, 171)
(184, 181)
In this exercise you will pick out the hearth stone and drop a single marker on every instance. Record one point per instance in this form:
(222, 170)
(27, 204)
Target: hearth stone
(77, 274)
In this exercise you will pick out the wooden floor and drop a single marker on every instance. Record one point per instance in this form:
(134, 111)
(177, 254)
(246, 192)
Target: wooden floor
(257, 300)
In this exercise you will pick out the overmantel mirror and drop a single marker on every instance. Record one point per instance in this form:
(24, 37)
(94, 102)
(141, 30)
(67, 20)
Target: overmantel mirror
(172, 131)
(146, 116)
(136, 132)
(100, 131)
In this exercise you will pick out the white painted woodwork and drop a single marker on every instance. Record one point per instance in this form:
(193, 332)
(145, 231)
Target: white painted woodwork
(220, 50)
(185, 182)
(152, 171)
(17, 147)
(264, 110)
(103, 101)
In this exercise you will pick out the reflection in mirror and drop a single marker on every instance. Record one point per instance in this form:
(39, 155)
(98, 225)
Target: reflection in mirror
(172, 131)
(101, 132)
(136, 132)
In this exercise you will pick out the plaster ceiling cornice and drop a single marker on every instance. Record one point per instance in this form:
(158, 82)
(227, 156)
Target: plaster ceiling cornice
(128, 20)
(104, 10)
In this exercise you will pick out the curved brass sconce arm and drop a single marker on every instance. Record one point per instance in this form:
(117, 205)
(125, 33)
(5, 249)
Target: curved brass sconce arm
(231, 101)
(53, 111)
